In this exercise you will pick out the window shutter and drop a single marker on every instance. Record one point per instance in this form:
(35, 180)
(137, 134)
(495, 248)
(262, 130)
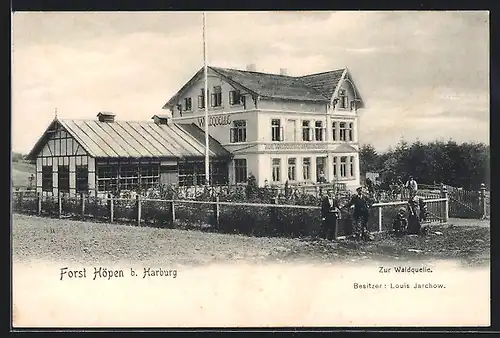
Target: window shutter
(212, 100)
(281, 134)
(231, 135)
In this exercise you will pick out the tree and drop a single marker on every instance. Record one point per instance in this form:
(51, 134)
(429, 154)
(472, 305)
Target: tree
(368, 159)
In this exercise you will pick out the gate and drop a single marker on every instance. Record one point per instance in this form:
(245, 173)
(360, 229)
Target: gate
(464, 203)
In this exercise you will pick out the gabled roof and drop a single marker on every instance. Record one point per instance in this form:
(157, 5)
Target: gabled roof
(325, 83)
(130, 139)
(314, 87)
(344, 148)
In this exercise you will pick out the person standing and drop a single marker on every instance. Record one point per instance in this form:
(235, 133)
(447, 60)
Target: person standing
(412, 187)
(330, 214)
(413, 217)
(361, 205)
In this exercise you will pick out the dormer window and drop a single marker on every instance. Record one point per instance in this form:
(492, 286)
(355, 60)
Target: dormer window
(188, 104)
(216, 97)
(343, 99)
(234, 97)
(201, 99)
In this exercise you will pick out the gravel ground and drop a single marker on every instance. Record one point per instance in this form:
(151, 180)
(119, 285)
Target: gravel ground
(85, 242)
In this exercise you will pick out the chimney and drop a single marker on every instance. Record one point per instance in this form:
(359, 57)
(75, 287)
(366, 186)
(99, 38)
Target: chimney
(161, 119)
(104, 116)
(283, 71)
(251, 67)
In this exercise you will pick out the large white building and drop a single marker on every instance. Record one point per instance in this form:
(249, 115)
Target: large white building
(278, 127)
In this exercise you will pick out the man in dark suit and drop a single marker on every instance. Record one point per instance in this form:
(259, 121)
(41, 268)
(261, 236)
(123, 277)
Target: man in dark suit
(329, 213)
(361, 204)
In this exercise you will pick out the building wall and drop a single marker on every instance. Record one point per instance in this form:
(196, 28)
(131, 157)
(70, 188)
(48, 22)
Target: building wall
(265, 167)
(284, 105)
(62, 149)
(221, 122)
(196, 89)
(258, 148)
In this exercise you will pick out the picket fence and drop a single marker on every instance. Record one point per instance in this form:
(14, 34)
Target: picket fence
(224, 216)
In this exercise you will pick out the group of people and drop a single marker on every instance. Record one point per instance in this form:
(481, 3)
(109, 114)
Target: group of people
(360, 204)
(330, 213)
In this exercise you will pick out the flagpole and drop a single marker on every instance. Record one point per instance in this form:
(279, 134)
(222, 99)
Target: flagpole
(207, 159)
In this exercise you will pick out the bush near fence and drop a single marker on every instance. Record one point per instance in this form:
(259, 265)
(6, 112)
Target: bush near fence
(264, 219)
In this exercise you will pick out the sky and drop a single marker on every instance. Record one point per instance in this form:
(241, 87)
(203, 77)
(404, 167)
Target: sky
(423, 75)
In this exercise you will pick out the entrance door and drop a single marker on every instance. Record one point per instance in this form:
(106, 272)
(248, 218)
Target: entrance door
(320, 169)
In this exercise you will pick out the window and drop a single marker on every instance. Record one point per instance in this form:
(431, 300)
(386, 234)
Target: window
(191, 173)
(276, 130)
(234, 97)
(107, 177)
(335, 167)
(306, 131)
(320, 167)
(290, 130)
(334, 131)
(218, 173)
(343, 163)
(47, 178)
(352, 105)
(306, 168)
(240, 170)
(217, 97)
(239, 131)
(318, 131)
(342, 133)
(201, 99)
(351, 166)
(276, 170)
(343, 99)
(292, 162)
(149, 175)
(63, 178)
(187, 104)
(350, 131)
(82, 179)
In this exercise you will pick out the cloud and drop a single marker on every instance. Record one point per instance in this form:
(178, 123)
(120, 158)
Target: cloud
(428, 68)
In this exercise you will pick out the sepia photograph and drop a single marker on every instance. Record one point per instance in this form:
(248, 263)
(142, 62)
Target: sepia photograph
(250, 169)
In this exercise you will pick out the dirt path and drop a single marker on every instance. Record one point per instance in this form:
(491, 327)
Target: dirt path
(86, 242)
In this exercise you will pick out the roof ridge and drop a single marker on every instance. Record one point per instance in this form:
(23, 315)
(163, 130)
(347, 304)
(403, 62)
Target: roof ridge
(298, 79)
(254, 72)
(274, 74)
(321, 73)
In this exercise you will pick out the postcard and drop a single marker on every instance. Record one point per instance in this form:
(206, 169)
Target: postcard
(250, 169)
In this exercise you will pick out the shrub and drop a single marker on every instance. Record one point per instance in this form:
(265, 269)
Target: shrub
(157, 213)
(96, 208)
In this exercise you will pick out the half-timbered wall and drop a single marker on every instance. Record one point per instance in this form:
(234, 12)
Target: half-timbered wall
(69, 165)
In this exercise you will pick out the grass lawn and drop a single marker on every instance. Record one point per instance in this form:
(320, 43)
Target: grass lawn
(86, 242)
(21, 172)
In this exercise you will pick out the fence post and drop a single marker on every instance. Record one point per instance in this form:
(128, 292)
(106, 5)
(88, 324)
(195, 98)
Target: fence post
(20, 197)
(59, 204)
(138, 198)
(274, 217)
(172, 209)
(82, 205)
(39, 195)
(216, 210)
(483, 201)
(444, 194)
(111, 208)
(379, 219)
